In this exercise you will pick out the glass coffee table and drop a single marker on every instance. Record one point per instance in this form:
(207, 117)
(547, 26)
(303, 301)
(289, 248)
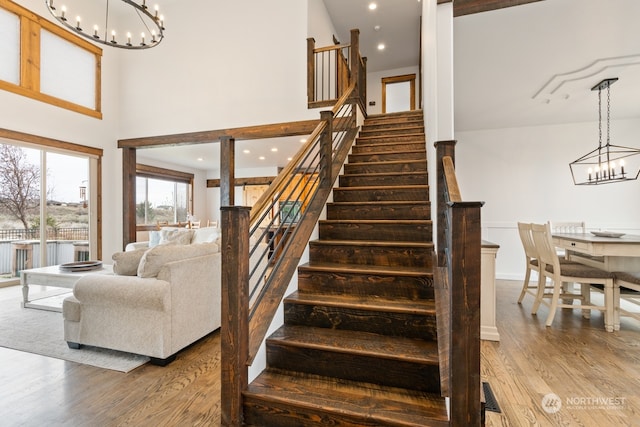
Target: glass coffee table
(56, 277)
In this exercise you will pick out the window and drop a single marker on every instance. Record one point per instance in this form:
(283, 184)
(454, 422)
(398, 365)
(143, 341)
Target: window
(48, 63)
(162, 195)
(54, 226)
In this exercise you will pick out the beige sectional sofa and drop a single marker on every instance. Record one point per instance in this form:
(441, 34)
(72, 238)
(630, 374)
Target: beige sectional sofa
(160, 299)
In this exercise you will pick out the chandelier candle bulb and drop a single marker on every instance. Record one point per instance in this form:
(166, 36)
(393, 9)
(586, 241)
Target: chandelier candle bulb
(622, 167)
(135, 16)
(590, 171)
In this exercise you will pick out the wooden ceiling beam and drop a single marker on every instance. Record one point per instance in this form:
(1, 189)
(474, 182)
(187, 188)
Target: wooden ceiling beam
(467, 7)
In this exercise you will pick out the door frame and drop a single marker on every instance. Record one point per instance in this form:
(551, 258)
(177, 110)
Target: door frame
(411, 78)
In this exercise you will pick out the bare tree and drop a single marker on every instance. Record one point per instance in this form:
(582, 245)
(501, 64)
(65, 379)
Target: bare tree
(19, 182)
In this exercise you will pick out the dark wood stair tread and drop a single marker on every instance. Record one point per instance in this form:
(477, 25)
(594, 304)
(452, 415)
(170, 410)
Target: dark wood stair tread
(360, 343)
(373, 404)
(366, 269)
(387, 162)
(372, 243)
(369, 303)
(386, 188)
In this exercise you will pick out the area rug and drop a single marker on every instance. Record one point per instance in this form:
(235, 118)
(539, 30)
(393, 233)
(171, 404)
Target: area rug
(42, 332)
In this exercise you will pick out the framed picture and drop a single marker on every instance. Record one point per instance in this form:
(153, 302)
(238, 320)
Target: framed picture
(290, 212)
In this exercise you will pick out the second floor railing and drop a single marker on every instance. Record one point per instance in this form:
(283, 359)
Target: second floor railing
(331, 69)
(53, 233)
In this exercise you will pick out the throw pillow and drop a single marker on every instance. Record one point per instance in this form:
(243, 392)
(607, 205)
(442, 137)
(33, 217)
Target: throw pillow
(180, 236)
(206, 235)
(126, 263)
(154, 238)
(155, 258)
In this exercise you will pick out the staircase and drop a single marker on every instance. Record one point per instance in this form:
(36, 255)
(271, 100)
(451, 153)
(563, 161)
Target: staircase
(359, 345)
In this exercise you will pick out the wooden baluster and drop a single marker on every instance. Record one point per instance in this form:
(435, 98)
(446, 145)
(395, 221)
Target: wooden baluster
(443, 148)
(354, 56)
(311, 70)
(234, 332)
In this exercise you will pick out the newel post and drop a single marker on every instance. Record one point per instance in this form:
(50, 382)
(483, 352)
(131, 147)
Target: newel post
(326, 150)
(354, 55)
(234, 332)
(227, 171)
(311, 69)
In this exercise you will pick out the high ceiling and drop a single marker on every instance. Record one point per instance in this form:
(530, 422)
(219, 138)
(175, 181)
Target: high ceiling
(529, 65)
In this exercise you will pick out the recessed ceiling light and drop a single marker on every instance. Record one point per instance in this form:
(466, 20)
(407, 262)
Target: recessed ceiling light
(303, 140)
(246, 151)
(261, 157)
(289, 158)
(373, 6)
(200, 159)
(376, 28)
(274, 150)
(381, 46)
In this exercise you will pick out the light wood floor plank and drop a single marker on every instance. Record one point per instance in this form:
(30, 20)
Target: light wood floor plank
(574, 358)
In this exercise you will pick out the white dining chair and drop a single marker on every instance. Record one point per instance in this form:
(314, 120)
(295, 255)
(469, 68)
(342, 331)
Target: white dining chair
(551, 268)
(531, 262)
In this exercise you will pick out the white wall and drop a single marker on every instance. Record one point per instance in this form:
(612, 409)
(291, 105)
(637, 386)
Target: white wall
(221, 65)
(522, 174)
(374, 86)
(320, 27)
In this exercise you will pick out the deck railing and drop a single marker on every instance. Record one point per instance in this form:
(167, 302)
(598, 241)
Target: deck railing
(457, 289)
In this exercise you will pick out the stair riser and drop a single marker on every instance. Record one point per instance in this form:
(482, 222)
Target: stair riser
(354, 367)
(395, 167)
(384, 323)
(405, 130)
(372, 255)
(397, 147)
(375, 119)
(266, 412)
(389, 139)
(377, 211)
(383, 180)
(384, 157)
(381, 194)
(383, 126)
(370, 231)
(384, 286)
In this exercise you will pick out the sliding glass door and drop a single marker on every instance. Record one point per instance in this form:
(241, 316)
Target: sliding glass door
(45, 207)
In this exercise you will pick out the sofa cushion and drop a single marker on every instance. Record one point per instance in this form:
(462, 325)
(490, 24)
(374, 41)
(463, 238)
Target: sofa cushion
(180, 236)
(205, 235)
(155, 258)
(126, 263)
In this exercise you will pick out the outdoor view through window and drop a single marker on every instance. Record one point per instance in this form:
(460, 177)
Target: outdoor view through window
(64, 208)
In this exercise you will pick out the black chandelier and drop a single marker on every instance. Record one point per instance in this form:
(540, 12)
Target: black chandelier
(608, 163)
(124, 24)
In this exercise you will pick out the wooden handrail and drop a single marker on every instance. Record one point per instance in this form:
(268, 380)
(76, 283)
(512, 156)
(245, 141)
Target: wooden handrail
(451, 180)
(329, 48)
(457, 291)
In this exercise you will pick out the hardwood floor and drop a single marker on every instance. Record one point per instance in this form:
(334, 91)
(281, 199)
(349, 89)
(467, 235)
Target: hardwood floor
(575, 359)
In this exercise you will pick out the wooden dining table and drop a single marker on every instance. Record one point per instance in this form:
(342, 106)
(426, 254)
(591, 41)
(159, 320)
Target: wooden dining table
(609, 253)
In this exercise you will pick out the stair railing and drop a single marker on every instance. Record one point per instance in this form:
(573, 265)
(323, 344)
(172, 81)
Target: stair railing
(457, 291)
(331, 69)
(262, 245)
